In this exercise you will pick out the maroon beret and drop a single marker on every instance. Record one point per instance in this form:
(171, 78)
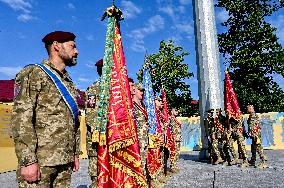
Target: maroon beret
(59, 36)
(99, 63)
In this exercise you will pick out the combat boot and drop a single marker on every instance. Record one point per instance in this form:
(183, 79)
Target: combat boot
(252, 162)
(245, 163)
(162, 179)
(234, 161)
(262, 164)
(219, 160)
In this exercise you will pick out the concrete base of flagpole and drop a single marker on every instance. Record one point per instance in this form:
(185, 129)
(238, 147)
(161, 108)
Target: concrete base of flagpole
(203, 154)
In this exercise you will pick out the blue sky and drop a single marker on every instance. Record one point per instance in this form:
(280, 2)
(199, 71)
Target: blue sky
(23, 23)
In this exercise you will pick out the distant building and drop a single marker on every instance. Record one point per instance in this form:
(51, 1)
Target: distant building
(7, 94)
(195, 102)
(7, 91)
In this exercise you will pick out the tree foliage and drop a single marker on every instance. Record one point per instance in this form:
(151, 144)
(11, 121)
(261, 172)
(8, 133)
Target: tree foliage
(168, 71)
(250, 47)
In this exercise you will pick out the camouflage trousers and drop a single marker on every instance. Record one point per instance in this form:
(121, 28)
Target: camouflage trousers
(241, 146)
(92, 150)
(174, 162)
(256, 147)
(50, 176)
(229, 148)
(143, 154)
(214, 148)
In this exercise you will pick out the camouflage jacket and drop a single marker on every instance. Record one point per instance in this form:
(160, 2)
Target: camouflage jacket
(209, 126)
(219, 123)
(92, 97)
(254, 125)
(176, 128)
(43, 128)
(142, 125)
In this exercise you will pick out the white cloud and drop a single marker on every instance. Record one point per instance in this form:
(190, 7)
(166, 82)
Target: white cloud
(129, 9)
(169, 10)
(153, 24)
(183, 29)
(22, 6)
(222, 15)
(18, 5)
(10, 71)
(91, 64)
(185, 2)
(71, 6)
(25, 17)
(90, 37)
(81, 79)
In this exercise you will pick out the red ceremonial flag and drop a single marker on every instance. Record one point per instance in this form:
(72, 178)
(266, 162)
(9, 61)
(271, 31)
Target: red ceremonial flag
(170, 141)
(231, 102)
(119, 160)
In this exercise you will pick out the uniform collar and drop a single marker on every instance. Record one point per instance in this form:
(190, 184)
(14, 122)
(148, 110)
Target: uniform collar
(64, 74)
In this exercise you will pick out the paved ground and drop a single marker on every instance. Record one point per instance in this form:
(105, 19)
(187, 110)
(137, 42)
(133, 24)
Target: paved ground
(197, 174)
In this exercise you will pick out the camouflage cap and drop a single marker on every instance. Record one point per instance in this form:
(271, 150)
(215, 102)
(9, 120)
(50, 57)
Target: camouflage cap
(210, 111)
(139, 86)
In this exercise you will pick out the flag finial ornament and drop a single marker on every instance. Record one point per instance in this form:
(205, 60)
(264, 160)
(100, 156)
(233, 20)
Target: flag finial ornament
(113, 11)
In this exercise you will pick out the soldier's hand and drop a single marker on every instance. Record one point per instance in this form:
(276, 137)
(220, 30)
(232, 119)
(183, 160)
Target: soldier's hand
(30, 173)
(76, 164)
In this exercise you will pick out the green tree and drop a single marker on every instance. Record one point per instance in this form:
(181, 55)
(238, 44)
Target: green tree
(251, 49)
(167, 70)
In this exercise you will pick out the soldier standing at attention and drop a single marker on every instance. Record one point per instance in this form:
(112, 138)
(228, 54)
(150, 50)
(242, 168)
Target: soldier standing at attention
(142, 125)
(92, 95)
(176, 127)
(229, 145)
(209, 125)
(255, 134)
(164, 152)
(236, 132)
(45, 121)
(132, 87)
(220, 121)
(213, 138)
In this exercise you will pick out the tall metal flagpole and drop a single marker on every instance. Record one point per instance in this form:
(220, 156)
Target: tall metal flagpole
(208, 66)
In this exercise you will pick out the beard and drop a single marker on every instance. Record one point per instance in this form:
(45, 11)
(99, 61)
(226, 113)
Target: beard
(69, 62)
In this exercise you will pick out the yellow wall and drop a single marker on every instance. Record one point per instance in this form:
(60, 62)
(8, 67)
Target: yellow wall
(271, 124)
(8, 159)
(272, 129)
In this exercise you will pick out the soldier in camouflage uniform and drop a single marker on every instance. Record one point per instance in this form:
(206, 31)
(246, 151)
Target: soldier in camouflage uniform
(164, 152)
(255, 134)
(46, 135)
(213, 137)
(92, 95)
(235, 131)
(176, 127)
(142, 124)
(220, 121)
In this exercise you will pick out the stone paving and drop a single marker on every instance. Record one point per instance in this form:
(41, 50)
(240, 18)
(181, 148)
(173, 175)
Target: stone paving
(197, 174)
